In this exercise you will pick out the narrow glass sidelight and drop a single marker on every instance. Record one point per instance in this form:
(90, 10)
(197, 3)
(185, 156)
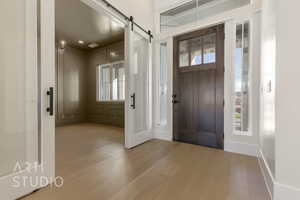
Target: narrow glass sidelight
(241, 78)
(163, 98)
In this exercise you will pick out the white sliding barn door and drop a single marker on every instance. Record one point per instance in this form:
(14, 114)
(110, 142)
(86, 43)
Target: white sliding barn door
(138, 88)
(25, 125)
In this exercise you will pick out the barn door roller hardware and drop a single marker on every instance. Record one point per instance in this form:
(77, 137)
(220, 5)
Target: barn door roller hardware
(133, 23)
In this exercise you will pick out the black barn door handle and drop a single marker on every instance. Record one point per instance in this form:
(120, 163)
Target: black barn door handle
(133, 101)
(50, 93)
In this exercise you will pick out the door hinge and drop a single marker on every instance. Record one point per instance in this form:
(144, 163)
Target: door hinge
(223, 103)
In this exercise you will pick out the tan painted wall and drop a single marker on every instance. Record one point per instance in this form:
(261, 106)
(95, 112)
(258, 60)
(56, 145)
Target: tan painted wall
(76, 86)
(71, 79)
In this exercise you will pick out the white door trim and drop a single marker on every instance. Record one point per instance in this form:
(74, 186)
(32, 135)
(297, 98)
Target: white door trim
(48, 80)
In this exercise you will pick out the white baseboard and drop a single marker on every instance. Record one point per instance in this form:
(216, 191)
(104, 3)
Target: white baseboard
(267, 174)
(276, 190)
(163, 135)
(286, 192)
(241, 148)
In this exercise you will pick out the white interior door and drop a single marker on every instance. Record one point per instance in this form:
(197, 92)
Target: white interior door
(25, 124)
(138, 118)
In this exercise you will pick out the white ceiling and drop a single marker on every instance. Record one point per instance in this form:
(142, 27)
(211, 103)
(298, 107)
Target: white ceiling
(77, 21)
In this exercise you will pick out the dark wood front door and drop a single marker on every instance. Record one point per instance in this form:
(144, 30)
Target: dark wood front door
(198, 93)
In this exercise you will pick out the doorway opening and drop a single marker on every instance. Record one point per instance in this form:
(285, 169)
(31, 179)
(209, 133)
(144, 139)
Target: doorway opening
(103, 83)
(198, 87)
(90, 84)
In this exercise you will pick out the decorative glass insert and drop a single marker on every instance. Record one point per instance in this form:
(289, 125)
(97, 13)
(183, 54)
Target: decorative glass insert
(241, 90)
(198, 51)
(111, 82)
(184, 53)
(121, 83)
(209, 48)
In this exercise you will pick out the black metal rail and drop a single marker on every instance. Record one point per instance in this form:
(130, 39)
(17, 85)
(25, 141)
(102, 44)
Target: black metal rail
(128, 18)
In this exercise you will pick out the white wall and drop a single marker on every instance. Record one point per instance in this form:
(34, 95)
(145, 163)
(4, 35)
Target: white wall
(287, 100)
(71, 85)
(141, 10)
(279, 136)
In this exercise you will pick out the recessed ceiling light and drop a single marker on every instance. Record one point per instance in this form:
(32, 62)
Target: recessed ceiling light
(93, 45)
(80, 42)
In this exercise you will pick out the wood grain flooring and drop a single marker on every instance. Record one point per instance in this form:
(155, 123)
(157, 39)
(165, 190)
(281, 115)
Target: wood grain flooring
(95, 166)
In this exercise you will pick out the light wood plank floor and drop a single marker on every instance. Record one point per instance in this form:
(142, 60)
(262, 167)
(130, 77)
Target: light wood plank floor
(95, 166)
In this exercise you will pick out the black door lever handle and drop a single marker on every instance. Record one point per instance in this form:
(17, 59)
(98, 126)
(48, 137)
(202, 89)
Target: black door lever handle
(133, 101)
(175, 101)
(50, 93)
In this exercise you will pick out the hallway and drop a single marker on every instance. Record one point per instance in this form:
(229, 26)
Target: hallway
(94, 164)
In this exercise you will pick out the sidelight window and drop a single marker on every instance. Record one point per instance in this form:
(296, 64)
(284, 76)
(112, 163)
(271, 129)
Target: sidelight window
(111, 82)
(242, 80)
(163, 98)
